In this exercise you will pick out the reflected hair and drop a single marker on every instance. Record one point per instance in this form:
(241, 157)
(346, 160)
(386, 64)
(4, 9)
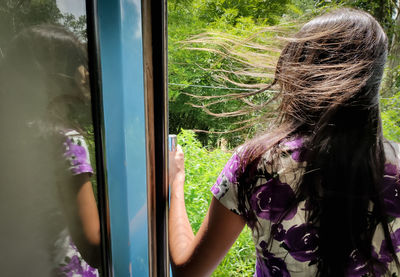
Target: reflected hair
(328, 78)
(46, 59)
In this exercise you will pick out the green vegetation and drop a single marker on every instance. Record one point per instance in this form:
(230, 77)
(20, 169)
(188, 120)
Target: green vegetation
(202, 169)
(17, 15)
(194, 73)
(391, 117)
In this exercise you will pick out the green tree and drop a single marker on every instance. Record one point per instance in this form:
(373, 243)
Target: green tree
(262, 11)
(16, 15)
(76, 25)
(193, 72)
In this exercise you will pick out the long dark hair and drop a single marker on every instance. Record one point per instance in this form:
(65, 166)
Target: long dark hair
(329, 77)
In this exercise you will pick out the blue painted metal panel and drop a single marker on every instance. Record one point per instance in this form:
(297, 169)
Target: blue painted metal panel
(123, 96)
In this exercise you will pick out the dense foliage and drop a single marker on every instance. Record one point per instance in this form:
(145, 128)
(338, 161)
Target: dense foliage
(17, 15)
(391, 117)
(194, 72)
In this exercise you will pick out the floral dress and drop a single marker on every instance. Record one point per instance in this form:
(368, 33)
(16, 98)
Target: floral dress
(294, 243)
(69, 260)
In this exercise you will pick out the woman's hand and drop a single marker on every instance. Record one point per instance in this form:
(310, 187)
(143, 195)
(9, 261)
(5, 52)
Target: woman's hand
(197, 255)
(176, 166)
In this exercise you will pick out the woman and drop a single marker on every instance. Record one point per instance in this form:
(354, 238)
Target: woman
(319, 191)
(50, 222)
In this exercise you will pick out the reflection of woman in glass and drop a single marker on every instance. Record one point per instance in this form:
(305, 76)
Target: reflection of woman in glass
(320, 191)
(52, 219)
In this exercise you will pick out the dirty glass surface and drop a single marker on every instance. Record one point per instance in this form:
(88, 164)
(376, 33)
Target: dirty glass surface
(49, 222)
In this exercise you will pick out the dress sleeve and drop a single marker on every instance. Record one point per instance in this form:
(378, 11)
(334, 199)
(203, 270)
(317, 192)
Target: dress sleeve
(225, 188)
(77, 153)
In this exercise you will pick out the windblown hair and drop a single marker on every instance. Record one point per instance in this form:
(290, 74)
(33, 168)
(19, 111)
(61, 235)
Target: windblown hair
(329, 77)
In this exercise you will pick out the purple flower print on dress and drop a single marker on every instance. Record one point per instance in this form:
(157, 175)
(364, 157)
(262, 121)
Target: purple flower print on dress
(302, 242)
(75, 268)
(391, 169)
(89, 272)
(384, 253)
(215, 188)
(357, 265)
(229, 173)
(295, 146)
(77, 154)
(391, 190)
(270, 200)
(278, 232)
(219, 179)
(269, 265)
(230, 169)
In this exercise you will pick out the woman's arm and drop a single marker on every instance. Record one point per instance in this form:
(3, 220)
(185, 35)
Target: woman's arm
(197, 255)
(79, 202)
(83, 218)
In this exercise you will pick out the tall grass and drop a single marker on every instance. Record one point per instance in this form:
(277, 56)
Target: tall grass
(202, 169)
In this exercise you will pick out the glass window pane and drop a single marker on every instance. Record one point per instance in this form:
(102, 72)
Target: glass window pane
(48, 210)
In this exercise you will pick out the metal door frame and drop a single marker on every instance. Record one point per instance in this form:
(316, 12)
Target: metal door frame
(128, 69)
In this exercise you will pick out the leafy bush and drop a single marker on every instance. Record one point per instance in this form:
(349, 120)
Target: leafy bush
(202, 169)
(391, 117)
